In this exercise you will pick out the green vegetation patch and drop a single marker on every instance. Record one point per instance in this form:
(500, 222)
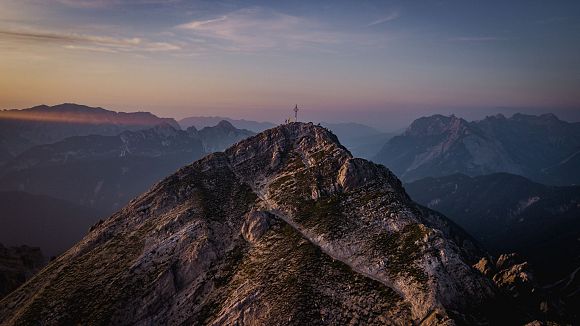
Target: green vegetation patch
(324, 215)
(401, 249)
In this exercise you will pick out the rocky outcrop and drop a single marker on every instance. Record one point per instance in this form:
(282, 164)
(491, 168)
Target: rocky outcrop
(520, 293)
(283, 228)
(509, 273)
(255, 225)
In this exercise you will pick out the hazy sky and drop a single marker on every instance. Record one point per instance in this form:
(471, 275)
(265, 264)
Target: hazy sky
(378, 62)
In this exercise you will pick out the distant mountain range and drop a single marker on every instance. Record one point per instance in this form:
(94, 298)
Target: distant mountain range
(508, 213)
(542, 148)
(220, 136)
(105, 172)
(23, 129)
(101, 172)
(362, 140)
(50, 194)
(202, 122)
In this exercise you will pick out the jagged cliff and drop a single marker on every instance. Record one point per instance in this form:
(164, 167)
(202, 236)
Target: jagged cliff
(285, 227)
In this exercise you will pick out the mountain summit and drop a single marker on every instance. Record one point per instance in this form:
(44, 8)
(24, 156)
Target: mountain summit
(285, 227)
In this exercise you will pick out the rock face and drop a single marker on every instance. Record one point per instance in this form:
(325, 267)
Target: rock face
(510, 274)
(284, 228)
(537, 147)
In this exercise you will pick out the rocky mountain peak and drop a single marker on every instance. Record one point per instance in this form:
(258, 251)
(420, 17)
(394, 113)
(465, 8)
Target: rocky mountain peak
(224, 124)
(288, 151)
(436, 125)
(192, 130)
(286, 219)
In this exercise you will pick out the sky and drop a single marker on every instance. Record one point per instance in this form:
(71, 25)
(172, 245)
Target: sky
(383, 63)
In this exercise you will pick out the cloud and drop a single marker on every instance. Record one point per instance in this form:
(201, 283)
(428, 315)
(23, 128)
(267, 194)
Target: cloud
(199, 24)
(392, 16)
(96, 4)
(249, 30)
(254, 29)
(100, 43)
(477, 39)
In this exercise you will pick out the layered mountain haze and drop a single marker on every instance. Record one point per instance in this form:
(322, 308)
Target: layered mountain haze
(361, 140)
(54, 225)
(531, 146)
(285, 227)
(202, 122)
(22, 129)
(122, 166)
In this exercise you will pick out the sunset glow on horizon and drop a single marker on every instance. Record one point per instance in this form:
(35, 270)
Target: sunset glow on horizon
(253, 59)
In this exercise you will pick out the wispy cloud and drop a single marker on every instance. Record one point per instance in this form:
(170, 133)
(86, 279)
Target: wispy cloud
(248, 30)
(255, 29)
(477, 39)
(199, 24)
(390, 17)
(94, 4)
(100, 43)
